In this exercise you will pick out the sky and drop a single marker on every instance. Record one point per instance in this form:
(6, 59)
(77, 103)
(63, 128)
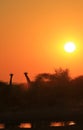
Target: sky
(32, 35)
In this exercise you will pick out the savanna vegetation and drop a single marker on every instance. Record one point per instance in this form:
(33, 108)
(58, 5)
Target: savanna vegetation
(47, 90)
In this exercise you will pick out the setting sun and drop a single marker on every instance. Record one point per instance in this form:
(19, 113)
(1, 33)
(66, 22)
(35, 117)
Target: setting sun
(69, 47)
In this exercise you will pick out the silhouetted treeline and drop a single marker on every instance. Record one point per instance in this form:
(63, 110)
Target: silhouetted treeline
(47, 90)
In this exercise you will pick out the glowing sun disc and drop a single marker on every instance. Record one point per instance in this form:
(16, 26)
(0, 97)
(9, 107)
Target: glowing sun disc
(69, 47)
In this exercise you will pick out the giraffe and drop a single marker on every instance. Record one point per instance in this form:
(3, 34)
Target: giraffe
(11, 76)
(27, 78)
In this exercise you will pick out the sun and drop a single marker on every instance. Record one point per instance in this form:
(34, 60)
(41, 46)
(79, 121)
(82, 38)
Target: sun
(70, 47)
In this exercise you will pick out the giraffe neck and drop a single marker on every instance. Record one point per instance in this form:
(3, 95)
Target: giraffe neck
(27, 78)
(11, 76)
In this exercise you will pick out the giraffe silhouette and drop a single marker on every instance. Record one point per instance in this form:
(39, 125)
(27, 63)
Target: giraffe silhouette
(27, 78)
(11, 76)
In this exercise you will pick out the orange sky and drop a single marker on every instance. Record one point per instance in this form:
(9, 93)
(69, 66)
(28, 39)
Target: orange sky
(32, 34)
